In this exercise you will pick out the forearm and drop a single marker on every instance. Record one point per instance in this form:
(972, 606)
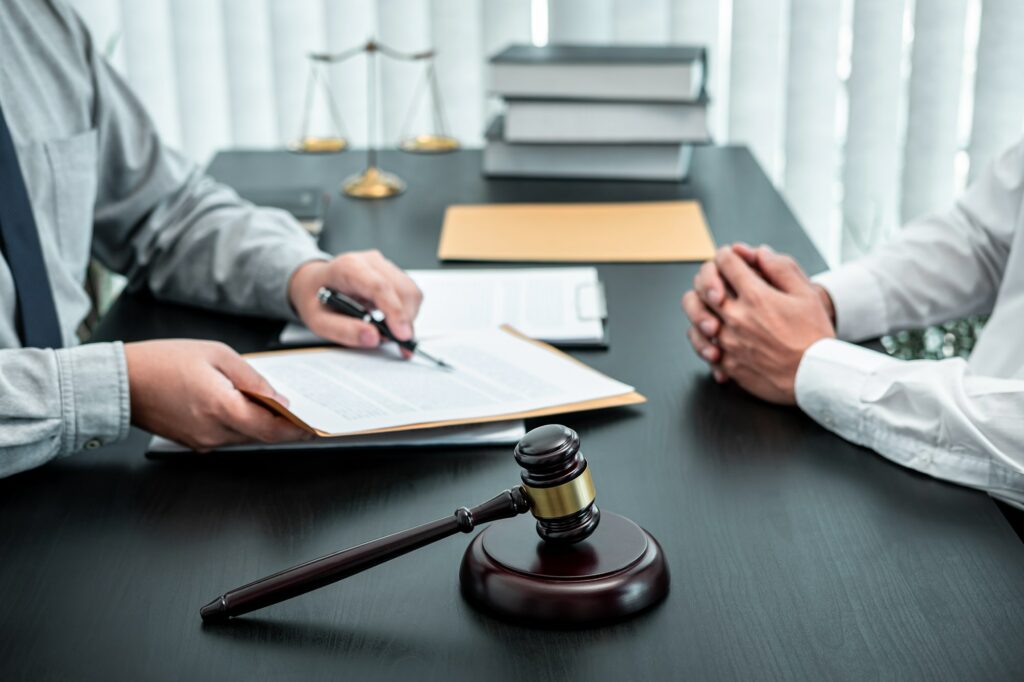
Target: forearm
(937, 268)
(54, 403)
(206, 247)
(162, 222)
(931, 416)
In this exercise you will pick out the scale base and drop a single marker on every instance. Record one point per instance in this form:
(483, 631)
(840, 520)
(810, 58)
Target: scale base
(373, 183)
(616, 573)
(319, 145)
(429, 143)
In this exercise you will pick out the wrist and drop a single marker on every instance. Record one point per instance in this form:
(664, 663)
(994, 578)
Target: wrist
(826, 302)
(301, 280)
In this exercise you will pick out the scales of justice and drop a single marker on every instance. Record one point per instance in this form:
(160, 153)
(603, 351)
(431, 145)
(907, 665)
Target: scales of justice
(374, 183)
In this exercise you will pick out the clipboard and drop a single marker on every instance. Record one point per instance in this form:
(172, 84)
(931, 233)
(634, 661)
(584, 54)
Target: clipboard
(591, 304)
(630, 398)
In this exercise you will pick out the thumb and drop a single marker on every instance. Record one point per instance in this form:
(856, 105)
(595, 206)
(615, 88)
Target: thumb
(246, 379)
(780, 270)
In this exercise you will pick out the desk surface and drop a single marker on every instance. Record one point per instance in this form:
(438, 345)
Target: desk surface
(793, 554)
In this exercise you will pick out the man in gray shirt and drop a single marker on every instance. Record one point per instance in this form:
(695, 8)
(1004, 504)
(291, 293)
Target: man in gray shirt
(99, 183)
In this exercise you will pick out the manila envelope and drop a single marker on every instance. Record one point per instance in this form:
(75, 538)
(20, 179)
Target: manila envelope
(642, 232)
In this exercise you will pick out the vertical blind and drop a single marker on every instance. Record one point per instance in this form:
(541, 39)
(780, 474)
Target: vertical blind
(865, 113)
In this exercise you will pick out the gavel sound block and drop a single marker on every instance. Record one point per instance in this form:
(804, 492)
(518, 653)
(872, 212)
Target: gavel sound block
(586, 568)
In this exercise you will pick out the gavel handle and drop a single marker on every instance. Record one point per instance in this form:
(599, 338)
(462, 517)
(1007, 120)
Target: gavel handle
(314, 574)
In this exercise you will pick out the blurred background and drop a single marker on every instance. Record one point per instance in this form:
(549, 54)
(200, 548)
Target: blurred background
(864, 113)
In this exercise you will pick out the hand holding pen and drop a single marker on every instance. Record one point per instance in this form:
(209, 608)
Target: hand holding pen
(366, 276)
(348, 306)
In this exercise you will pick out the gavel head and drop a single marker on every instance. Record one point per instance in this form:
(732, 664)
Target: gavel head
(557, 481)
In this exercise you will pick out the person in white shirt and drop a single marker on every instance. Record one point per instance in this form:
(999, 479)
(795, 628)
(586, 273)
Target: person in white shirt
(758, 320)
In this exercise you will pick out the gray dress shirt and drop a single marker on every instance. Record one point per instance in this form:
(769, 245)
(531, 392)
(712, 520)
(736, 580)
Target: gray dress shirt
(102, 185)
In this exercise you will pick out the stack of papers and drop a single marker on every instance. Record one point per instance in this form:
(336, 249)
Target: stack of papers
(563, 306)
(498, 375)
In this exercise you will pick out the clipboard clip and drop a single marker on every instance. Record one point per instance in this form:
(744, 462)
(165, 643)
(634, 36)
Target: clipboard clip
(591, 303)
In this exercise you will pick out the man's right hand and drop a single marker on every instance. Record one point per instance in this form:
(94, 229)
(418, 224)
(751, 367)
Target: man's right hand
(191, 392)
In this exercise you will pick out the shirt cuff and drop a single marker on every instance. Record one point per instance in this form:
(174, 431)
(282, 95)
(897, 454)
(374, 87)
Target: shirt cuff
(858, 301)
(94, 395)
(276, 272)
(830, 382)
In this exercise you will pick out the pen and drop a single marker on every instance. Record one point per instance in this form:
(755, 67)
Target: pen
(348, 306)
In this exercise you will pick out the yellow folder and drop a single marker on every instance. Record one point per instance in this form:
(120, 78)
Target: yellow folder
(646, 232)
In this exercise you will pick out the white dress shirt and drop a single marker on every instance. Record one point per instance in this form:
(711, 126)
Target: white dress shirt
(961, 421)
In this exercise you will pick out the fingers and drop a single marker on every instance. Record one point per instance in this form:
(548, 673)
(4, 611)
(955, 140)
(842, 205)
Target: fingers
(256, 423)
(408, 291)
(709, 285)
(704, 348)
(700, 315)
(780, 270)
(746, 252)
(370, 276)
(243, 377)
(718, 374)
(738, 274)
(343, 330)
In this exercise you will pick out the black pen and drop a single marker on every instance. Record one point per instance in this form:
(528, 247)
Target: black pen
(348, 306)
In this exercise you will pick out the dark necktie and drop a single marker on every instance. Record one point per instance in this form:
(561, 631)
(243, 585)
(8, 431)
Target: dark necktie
(19, 242)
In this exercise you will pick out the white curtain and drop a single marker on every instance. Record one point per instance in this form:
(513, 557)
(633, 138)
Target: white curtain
(864, 113)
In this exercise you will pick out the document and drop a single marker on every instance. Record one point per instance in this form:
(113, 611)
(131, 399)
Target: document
(640, 232)
(497, 433)
(557, 305)
(498, 375)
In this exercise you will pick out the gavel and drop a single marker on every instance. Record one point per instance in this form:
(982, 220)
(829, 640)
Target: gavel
(558, 490)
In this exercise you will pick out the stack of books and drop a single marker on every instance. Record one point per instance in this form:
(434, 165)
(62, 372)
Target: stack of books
(601, 112)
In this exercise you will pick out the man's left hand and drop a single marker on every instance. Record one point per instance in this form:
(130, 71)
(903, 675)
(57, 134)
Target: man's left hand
(774, 316)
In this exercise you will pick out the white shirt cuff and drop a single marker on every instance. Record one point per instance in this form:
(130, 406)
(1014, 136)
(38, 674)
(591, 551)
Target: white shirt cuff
(858, 301)
(830, 382)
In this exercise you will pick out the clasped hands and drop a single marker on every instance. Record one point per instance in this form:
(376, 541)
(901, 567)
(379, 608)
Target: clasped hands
(753, 314)
(194, 392)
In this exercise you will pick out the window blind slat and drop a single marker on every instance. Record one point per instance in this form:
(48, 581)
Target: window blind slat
(504, 22)
(405, 26)
(350, 23)
(757, 79)
(457, 35)
(580, 21)
(999, 84)
(641, 21)
(198, 34)
(871, 155)
(249, 62)
(933, 100)
(149, 62)
(696, 22)
(296, 28)
(811, 92)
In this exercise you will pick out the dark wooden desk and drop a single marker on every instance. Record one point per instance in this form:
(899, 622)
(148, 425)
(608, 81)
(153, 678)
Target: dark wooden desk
(793, 554)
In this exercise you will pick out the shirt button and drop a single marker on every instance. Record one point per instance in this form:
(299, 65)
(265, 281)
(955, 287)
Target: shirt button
(92, 443)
